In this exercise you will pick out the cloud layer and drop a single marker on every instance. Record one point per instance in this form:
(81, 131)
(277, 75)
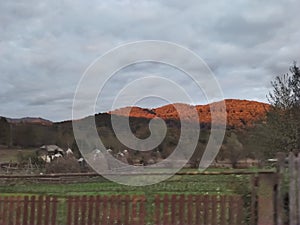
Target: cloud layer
(45, 46)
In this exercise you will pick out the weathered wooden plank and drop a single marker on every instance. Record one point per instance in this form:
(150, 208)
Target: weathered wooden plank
(90, 209)
(118, 208)
(39, 210)
(5, 209)
(83, 212)
(1, 211)
(157, 210)
(54, 211)
(76, 210)
(199, 211)
(112, 209)
(104, 210)
(240, 213)
(25, 211)
(206, 204)
(279, 192)
(265, 201)
(214, 209)
(47, 210)
(126, 210)
(253, 216)
(166, 210)
(69, 210)
(32, 211)
(11, 211)
(223, 209)
(97, 210)
(232, 209)
(292, 190)
(134, 211)
(142, 210)
(298, 188)
(173, 209)
(190, 206)
(181, 209)
(18, 210)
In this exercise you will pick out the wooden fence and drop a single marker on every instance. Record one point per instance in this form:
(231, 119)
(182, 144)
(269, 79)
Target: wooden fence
(28, 210)
(106, 210)
(199, 209)
(294, 189)
(127, 210)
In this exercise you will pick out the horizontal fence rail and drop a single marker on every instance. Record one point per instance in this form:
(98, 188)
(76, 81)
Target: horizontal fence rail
(191, 173)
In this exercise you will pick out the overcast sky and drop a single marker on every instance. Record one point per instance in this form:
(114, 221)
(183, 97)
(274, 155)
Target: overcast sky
(45, 46)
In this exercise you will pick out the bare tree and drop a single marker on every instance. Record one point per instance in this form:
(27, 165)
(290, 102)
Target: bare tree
(282, 127)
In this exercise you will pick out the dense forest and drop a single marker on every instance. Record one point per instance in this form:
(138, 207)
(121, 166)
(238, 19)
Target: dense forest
(241, 117)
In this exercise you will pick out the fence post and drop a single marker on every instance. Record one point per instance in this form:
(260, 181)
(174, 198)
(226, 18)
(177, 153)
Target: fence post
(298, 187)
(292, 190)
(266, 207)
(279, 192)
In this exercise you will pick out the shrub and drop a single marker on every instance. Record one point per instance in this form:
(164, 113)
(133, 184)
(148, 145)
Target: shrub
(63, 165)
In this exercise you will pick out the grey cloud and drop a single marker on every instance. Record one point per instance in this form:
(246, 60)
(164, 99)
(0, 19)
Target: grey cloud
(237, 30)
(45, 46)
(51, 98)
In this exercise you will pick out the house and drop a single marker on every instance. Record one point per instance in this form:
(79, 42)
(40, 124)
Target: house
(51, 152)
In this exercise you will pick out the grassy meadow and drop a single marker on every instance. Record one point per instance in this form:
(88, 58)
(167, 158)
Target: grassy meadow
(178, 184)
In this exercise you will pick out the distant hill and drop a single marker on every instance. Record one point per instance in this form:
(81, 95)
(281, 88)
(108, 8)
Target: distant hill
(30, 120)
(240, 113)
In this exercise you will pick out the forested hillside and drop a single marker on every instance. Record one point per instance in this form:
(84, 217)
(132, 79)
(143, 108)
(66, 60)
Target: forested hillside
(241, 116)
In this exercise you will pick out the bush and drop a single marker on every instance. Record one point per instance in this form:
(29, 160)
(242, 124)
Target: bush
(25, 158)
(63, 165)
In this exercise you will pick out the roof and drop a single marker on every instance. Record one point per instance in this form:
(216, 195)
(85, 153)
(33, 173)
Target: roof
(52, 148)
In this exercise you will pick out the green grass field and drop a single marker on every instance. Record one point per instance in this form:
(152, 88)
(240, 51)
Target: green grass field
(204, 184)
